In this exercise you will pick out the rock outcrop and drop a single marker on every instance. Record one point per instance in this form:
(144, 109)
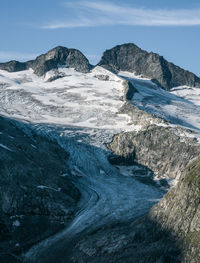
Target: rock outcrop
(129, 57)
(13, 66)
(59, 56)
(158, 148)
(138, 116)
(179, 213)
(129, 90)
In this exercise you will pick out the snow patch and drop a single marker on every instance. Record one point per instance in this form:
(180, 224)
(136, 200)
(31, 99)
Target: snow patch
(16, 223)
(5, 147)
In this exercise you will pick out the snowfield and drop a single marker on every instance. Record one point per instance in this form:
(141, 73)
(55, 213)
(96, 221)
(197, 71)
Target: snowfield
(77, 99)
(180, 106)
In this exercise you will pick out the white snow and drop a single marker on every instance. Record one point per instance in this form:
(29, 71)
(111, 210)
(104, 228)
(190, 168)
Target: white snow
(83, 100)
(76, 99)
(5, 147)
(180, 106)
(16, 223)
(47, 187)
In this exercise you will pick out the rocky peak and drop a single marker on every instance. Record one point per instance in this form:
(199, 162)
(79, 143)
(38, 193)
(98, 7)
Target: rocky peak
(13, 66)
(59, 56)
(129, 57)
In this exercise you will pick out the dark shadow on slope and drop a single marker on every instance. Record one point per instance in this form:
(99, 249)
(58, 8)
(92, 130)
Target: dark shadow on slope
(34, 197)
(140, 241)
(35, 200)
(140, 172)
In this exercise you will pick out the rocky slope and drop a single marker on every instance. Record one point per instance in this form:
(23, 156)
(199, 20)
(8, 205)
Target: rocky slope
(35, 200)
(168, 234)
(59, 56)
(179, 213)
(129, 57)
(159, 148)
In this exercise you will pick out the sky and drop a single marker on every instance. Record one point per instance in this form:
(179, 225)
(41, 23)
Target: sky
(171, 28)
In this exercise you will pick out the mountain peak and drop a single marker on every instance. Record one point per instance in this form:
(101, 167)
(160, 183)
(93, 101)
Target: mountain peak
(58, 56)
(13, 66)
(129, 57)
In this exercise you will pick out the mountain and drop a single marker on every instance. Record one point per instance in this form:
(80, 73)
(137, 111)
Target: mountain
(59, 56)
(98, 164)
(129, 57)
(126, 57)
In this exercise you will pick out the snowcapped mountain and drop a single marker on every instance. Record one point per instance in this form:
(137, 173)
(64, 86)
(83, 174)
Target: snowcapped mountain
(127, 140)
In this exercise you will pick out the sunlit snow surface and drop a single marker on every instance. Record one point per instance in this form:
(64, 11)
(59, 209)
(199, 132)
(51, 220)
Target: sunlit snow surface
(76, 99)
(180, 106)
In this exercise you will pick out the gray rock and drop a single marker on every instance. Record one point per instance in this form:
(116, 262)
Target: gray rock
(102, 77)
(59, 56)
(140, 117)
(179, 213)
(129, 57)
(129, 90)
(13, 66)
(158, 148)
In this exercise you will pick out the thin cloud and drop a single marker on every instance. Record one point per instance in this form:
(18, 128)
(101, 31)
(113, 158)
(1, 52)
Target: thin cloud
(92, 14)
(12, 55)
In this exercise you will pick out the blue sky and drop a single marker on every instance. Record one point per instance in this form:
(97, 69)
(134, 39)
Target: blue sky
(170, 28)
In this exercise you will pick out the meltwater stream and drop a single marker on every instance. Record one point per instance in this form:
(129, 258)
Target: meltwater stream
(107, 195)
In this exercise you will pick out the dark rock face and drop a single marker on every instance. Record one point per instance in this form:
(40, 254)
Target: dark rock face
(129, 57)
(35, 200)
(59, 56)
(140, 241)
(129, 90)
(179, 212)
(158, 148)
(13, 66)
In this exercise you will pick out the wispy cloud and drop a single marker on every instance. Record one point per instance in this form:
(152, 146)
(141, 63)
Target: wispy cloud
(12, 55)
(91, 14)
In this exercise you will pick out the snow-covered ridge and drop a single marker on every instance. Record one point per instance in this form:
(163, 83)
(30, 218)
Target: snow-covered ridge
(64, 96)
(180, 105)
(92, 100)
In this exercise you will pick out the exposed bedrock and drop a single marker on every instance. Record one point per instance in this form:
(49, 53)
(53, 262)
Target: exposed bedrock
(140, 117)
(13, 66)
(59, 56)
(179, 212)
(129, 90)
(157, 147)
(129, 57)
